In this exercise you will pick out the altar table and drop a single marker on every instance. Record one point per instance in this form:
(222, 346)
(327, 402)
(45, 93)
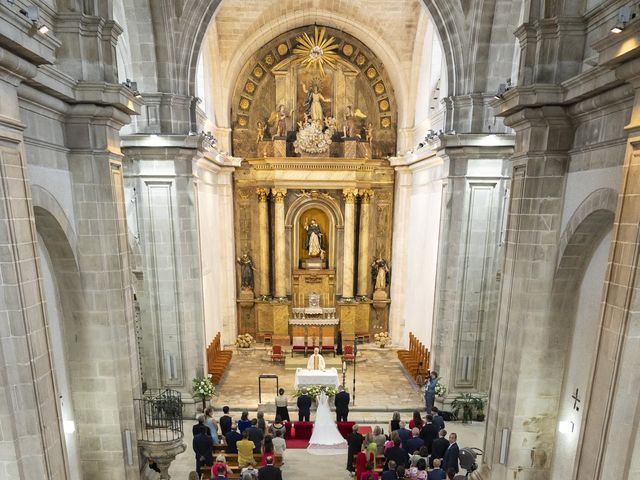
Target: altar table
(306, 377)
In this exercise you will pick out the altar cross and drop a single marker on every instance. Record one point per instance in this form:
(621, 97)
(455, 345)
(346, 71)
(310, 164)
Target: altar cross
(576, 401)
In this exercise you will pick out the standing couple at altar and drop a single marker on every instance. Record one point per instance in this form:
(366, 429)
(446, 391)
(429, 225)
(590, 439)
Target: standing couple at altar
(326, 439)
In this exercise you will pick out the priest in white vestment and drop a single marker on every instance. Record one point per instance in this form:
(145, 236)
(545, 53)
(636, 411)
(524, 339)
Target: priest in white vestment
(316, 361)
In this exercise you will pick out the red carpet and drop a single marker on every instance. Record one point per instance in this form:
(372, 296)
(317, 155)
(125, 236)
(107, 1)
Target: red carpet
(304, 443)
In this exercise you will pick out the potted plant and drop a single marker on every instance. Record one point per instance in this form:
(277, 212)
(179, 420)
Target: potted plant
(467, 404)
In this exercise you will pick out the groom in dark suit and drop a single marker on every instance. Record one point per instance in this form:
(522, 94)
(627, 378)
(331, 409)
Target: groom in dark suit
(304, 407)
(342, 404)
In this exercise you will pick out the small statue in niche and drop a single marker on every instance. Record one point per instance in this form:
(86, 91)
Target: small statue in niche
(369, 132)
(246, 271)
(351, 121)
(260, 129)
(314, 243)
(380, 273)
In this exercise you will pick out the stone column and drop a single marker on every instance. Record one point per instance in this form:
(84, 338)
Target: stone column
(279, 195)
(349, 241)
(263, 255)
(364, 256)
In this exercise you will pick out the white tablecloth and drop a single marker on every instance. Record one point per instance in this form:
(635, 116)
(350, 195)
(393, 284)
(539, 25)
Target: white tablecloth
(316, 377)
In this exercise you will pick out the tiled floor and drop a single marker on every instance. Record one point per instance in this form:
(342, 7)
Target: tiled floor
(382, 386)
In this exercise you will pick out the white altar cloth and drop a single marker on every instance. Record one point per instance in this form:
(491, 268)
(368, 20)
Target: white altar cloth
(316, 377)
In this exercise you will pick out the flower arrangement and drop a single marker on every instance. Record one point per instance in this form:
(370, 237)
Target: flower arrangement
(314, 390)
(204, 389)
(382, 339)
(441, 390)
(245, 340)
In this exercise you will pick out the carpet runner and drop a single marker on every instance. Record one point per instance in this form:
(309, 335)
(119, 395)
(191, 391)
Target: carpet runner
(298, 443)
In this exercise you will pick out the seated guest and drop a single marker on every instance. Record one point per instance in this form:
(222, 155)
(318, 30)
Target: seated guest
(437, 473)
(225, 420)
(220, 463)
(404, 433)
(389, 443)
(419, 472)
(249, 472)
(278, 426)
(369, 473)
(279, 444)
(269, 471)
(429, 432)
(416, 421)
(282, 409)
(255, 435)
(211, 423)
(414, 443)
(438, 421)
(380, 439)
(245, 450)
(221, 473)
(244, 422)
(262, 425)
(200, 427)
(203, 449)
(439, 447)
(232, 437)
(394, 424)
(372, 447)
(397, 454)
(361, 461)
(390, 474)
(267, 449)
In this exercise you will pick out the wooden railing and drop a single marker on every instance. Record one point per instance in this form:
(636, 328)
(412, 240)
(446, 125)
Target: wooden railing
(217, 359)
(416, 359)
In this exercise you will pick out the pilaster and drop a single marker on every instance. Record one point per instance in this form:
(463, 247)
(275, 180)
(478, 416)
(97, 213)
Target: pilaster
(279, 267)
(349, 243)
(263, 257)
(364, 254)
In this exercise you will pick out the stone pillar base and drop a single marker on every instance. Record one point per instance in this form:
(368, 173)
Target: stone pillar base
(279, 147)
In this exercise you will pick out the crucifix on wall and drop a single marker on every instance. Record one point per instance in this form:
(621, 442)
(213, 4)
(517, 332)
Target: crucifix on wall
(576, 401)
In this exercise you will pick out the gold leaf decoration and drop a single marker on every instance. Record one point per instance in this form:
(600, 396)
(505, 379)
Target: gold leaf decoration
(282, 49)
(379, 88)
(371, 73)
(386, 122)
(347, 49)
(250, 87)
(269, 59)
(258, 72)
(384, 105)
(315, 53)
(242, 121)
(244, 104)
(360, 59)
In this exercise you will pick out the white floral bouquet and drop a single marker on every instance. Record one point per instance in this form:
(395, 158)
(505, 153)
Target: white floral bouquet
(382, 339)
(245, 340)
(203, 388)
(441, 390)
(314, 390)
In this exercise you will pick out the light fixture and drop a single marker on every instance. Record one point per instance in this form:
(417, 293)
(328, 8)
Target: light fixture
(625, 15)
(133, 86)
(503, 88)
(43, 29)
(566, 426)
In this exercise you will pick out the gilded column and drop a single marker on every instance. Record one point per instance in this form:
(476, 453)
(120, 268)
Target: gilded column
(263, 257)
(363, 248)
(349, 247)
(279, 261)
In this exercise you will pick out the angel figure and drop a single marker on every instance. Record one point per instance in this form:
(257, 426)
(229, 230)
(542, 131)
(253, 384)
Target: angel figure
(351, 120)
(278, 120)
(369, 133)
(261, 127)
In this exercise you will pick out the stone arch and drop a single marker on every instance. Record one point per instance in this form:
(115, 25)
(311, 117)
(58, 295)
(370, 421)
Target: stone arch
(47, 210)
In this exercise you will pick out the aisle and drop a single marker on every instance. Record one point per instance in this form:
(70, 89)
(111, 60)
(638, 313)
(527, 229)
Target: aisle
(301, 465)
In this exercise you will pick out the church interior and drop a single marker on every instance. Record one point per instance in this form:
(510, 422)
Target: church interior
(197, 194)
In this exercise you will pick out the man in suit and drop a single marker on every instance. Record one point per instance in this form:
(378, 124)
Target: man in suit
(342, 405)
(225, 420)
(200, 427)
(390, 474)
(429, 432)
(232, 437)
(404, 433)
(450, 461)
(438, 421)
(354, 441)
(414, 443)
(304, 407)
(255, 435)
(397, 454)
(439, 447)
(203, 448)
(269, 472)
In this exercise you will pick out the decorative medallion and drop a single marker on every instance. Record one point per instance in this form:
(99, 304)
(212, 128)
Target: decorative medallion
(384, 105)
(379, 88)
(385, 122)
(371, 73)
(360, 59)
(347, 49)
(258, 72)
(269, 59)
(282, 49)
(245, 104)
(250, 87)
(242, 121)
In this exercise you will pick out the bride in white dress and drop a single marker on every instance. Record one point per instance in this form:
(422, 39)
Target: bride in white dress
(325, 439)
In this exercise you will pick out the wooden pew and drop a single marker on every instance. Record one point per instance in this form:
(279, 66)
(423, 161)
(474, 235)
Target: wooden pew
(232, 462)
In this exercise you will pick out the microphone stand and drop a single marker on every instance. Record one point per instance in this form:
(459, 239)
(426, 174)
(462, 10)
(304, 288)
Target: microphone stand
(355, 360)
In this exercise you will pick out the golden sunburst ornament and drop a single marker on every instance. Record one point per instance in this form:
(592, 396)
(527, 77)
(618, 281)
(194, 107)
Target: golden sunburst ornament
(316, 53)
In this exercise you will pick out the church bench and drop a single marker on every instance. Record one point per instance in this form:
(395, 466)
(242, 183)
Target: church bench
(232, 463)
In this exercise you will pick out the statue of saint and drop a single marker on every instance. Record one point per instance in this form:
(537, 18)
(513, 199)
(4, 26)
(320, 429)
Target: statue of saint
(351, 120)
(313, 103)
(380, 274)
(278, 122)
(314, 243)
(246, 272)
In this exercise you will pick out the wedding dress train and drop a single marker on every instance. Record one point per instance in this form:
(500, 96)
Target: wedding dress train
(325, 439)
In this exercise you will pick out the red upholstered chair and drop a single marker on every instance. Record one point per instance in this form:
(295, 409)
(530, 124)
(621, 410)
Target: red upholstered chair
(287, 430)
(277, 354)
(347, 353)
(297, 345)
(328, 345)
(345, 428)
(303, 430)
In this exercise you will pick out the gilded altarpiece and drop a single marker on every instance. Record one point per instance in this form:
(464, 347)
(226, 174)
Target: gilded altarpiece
(313, 198)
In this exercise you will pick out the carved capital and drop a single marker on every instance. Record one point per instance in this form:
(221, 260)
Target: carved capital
(263, 193)
(350, 195)
(279, 194)
(365, 196)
